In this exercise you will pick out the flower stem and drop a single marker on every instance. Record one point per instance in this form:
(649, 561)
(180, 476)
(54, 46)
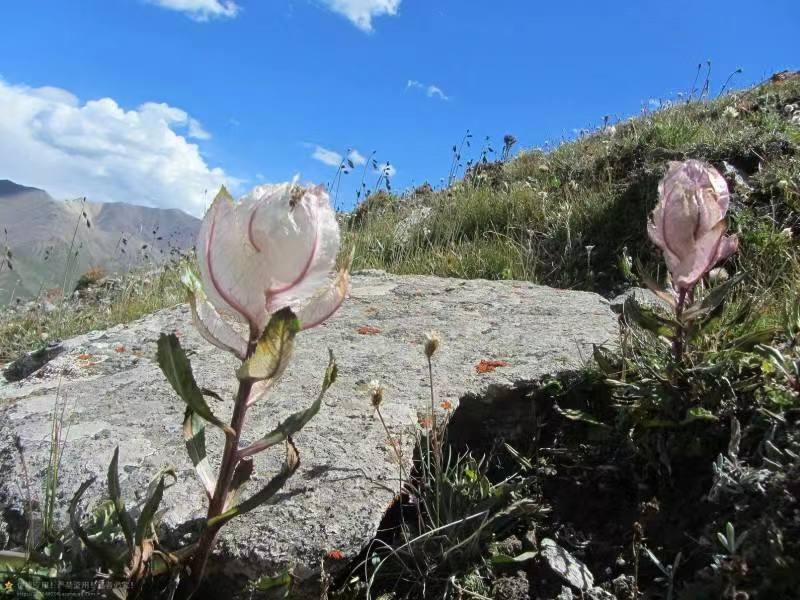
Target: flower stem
(394, 445)
(216, 507)
(678, 342)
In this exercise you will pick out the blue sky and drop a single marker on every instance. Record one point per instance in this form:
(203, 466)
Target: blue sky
(154, 101)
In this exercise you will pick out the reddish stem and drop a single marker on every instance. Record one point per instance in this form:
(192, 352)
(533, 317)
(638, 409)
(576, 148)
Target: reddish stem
(678, 342)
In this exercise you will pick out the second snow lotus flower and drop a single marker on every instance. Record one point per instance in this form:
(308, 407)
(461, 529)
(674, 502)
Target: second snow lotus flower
(688, 224)
(275, 248)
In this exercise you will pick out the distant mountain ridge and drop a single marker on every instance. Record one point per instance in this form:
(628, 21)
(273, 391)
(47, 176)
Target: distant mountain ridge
(115, 236)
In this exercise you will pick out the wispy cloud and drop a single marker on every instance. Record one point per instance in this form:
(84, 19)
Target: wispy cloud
(333, 158)
(356, 157)
(201, 10)
(196, 131)
(430, 90)
(361, 12)
(325, 156)
(51, 139)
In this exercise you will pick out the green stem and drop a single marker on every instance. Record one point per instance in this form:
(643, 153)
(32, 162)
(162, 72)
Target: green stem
(217, 505)
(678, 342)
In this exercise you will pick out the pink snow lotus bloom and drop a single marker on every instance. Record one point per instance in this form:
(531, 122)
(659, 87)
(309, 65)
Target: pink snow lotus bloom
(274, 248)
(688, 224)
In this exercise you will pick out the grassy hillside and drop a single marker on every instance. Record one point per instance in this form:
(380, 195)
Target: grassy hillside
(565, 217)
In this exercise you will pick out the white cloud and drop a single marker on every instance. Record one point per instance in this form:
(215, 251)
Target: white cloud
(431, 91)
(328, 157)
(196, 130)
(436, 92)
(361, 12)
(98, 149)
(201, 10)
(356, 157)
(386, 169)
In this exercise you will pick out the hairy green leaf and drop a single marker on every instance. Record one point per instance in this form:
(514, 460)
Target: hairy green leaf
(268, 583)
(505, 559)
(149, 511)
(178, 371)
(648, 319)
(123, 518)
(750, 340)
(298, 420)
(573, 414)
(104, 553)
(265, 495)
(698, 413)
(711, 301)
(273, 350)
(194, 435)
(241, 475)
(606, 360)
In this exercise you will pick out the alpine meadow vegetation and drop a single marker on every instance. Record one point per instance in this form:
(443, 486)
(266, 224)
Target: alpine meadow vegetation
(668, 467)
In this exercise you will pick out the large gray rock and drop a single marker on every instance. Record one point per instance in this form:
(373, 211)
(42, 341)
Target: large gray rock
(116, 395)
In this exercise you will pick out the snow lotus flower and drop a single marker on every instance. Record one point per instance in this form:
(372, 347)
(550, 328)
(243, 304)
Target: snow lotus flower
(688, 224)
(275, 248)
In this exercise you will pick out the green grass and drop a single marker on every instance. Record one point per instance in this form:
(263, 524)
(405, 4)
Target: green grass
(136, 295)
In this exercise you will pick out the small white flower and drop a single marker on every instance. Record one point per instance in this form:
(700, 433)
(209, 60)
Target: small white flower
(730, 112)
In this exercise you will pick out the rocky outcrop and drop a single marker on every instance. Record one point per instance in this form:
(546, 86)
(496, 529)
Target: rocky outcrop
(495, 335)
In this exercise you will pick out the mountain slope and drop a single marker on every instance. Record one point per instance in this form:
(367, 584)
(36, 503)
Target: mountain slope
(53, 242)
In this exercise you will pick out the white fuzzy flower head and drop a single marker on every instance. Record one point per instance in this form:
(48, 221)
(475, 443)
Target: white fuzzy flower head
(375, 393)
(432, 342)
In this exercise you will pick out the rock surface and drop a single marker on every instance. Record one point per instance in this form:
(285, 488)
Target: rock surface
(566, 566)
(115, 394)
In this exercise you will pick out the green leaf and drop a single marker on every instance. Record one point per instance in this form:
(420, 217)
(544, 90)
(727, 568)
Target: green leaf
(12, 560)
(149, 511)
(265, 495)
(273, 350)
(648, 319)
(606, 360)
(123, 518)
(573, 414)
(749, 341)
(178, 371)
(281, 580)
(505, 559)
(194, 435)
(298, 420)
(712, 300)
(698, 413)
(241, 475)
(104, 553)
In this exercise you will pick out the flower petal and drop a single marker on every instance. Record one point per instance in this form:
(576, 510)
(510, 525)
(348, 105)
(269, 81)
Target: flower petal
(326, 302)
(211, 326)
(224, 255)
(215, 330)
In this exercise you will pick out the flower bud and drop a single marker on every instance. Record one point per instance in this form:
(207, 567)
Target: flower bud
(432, 341)
(375, 393)
(688, 224)
(274, 248)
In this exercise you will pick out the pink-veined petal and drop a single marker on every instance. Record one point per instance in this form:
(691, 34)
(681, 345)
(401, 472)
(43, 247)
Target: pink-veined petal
(326, 302)
(694, 266)
(214, 329)
(225, 257)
